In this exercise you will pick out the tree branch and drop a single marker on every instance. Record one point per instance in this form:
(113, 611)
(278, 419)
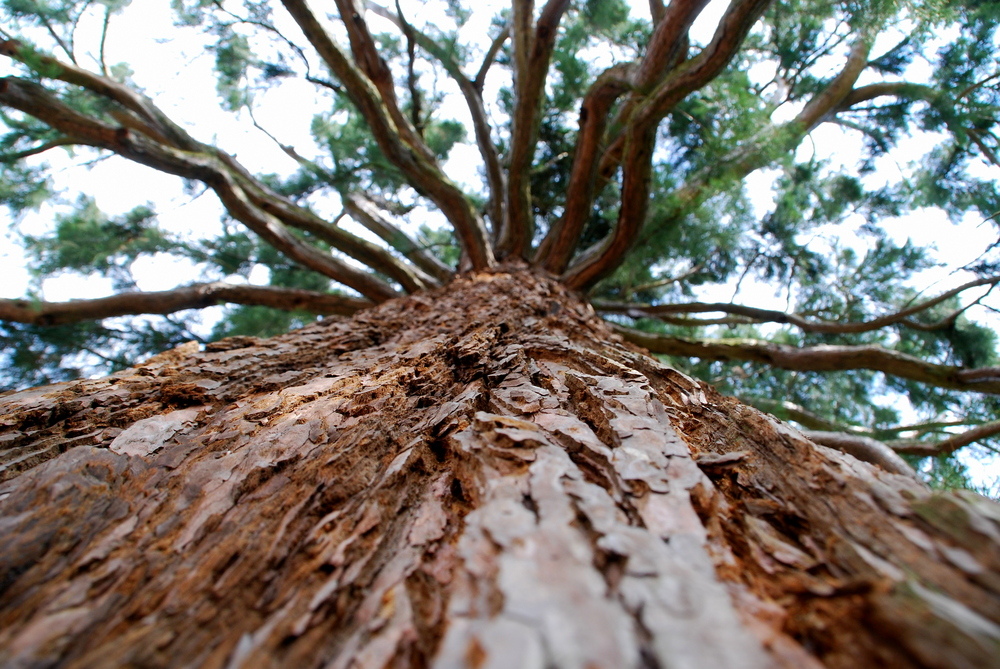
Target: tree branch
(977, 139)
(694, 270)
(931, 96)
(371, 64)
(790, 411)
(806, 325)
(416, 110)
(599, 260)
(560, 242)
(863, 448)
(424, 175)
(474, 100)
(490, 58)
(657, 11)
(668, 45)
(152, 118)
(636, 142)
(410, 278)
(840, 87)
(196, 296)
(533, 45)
(949, 445)
(34, 151)
(33, 99)
(140, 115)
(894, 88)
(365, 212)
(821, 359)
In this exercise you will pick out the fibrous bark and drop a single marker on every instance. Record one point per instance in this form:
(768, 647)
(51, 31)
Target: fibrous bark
(482, 475)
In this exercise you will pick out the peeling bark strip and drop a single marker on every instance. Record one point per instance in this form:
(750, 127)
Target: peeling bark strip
(513, 487)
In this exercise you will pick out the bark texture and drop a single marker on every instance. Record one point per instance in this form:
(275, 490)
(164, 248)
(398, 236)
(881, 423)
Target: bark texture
(483, 475)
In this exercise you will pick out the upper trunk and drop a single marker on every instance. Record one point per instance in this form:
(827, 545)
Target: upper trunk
(481, 475)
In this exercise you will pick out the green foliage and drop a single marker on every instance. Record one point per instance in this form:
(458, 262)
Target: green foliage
(191, 12)
(441, 137)
(35, 355)
(441, 242)
(39, 9)
(258, 322)
(236, 252)
(233, 57)
(88, 242)
(357, 161)
(946, 473)
(23, 187)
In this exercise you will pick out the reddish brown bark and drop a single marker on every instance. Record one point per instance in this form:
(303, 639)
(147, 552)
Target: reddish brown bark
(483, 475)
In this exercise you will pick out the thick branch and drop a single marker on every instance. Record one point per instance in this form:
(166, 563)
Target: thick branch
(596, 262)
(872, 445)
(863, 448)
(822, 359)
(693, 74)
(273, 231)
(423, 174)
(950, 445)
(490, 58)
(371, 64)
(474, 100)
(412, 279)
(34, 100)
(533, 47)
(806, 325)
(196, 296)
(140, 115)
(365, 212)
(928, 94)
(786, 410)
(834, 93)
(900, 89)
(157, 123)
(557, 248)
(301, 218)
(640, 133)
(668, 45)
(657, 11)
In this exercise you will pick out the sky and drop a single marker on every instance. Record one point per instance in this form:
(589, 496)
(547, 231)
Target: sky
(160, 61)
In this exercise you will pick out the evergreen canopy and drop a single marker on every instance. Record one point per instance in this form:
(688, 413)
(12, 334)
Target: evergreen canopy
(614, 152)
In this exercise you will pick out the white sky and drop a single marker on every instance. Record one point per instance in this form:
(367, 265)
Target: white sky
(160, 63)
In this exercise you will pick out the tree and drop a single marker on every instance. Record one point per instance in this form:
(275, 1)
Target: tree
(464, 465)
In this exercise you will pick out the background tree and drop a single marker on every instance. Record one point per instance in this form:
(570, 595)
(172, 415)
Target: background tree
(614, 157)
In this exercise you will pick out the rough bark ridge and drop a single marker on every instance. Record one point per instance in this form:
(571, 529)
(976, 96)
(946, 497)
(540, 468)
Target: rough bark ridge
(483, 475)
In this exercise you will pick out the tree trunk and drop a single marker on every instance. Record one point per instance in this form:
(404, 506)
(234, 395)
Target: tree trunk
(483, 475)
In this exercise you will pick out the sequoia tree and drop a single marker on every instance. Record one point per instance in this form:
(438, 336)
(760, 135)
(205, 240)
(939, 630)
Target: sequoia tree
(464, 464)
